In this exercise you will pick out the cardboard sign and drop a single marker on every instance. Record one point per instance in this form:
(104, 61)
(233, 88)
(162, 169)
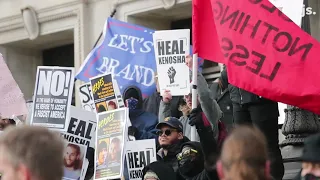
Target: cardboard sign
(52, 97)
(86, 98)
(111, 135)
(266, 53)
(103, 93)
(74, 161)
(139, 154)
(171, 49)
(12, 101)
(82, 127)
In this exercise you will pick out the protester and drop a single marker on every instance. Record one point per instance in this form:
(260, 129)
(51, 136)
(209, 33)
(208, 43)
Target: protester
(4, 123)
(244, 156)
(152, 103)
(171, 140)
(31, 153)
(224, 101)
(197, 160)
(72, 162)
(158, 171)
(310, 159)
(249, 108)
(210, 108)
(143, 123)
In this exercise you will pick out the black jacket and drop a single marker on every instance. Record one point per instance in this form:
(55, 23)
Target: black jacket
(240, 96)
(171, 159)
(211, 154)
(151, 104)
(162, 170)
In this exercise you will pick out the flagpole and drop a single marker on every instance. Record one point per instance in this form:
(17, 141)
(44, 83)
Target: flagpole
(194, 90)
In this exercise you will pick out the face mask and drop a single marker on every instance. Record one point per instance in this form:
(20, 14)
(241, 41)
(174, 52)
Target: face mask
(310, 177)
(132, 103)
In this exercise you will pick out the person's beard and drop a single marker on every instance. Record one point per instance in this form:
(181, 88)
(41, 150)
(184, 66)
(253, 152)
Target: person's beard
(69, 165)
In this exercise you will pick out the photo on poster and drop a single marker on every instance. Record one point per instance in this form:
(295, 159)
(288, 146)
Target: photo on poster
(115, 149)
(102, 92)
(171, 49)
(52, 97)
(112, 105)
(73, 159)
(110, 138)
(102, 153)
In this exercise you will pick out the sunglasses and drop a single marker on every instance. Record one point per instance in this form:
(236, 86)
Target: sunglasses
(167, 132)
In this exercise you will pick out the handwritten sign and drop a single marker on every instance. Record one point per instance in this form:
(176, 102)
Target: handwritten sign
(52, 97)
(171, 49)
(265, 51)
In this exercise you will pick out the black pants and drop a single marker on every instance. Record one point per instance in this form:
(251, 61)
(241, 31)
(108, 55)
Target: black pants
(263, 115)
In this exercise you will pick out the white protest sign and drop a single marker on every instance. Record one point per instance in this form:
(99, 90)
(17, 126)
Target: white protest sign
(295, 10)
(139, 154)
(171, 48)
(86, 98)
(82, 127)
(52, 97)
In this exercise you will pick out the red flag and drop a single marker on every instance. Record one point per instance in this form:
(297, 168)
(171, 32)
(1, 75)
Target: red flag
(265, 52)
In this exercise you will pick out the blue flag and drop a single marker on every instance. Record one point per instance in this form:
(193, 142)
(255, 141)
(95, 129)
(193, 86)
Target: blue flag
(127, 52)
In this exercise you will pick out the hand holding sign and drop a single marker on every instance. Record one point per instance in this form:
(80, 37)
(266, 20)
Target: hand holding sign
(189, 62)
(166, 98)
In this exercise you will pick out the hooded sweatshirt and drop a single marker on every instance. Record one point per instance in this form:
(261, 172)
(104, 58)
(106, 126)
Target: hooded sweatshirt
(208, 104)
(161, 169)
(145, 122)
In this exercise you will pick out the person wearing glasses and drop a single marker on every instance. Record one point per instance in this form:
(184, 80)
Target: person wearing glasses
(170, 140)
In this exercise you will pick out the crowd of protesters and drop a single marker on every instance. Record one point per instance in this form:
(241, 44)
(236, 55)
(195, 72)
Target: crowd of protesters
(246, 149)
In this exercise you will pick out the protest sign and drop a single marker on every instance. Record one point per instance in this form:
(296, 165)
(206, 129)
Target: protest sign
(12, 100)
(86, 98)
(139, 154)
(82, 127)
(266, 53)
(103, 93)
(52, 97)
(126, 51)
(74, 161)
(110, 144)
(171, 48)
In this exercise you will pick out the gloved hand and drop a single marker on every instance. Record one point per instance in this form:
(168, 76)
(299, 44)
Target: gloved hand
(132, 131)
(195, 118)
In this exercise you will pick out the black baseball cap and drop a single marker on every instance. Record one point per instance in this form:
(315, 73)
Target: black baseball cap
(172, 122)
(311, 149)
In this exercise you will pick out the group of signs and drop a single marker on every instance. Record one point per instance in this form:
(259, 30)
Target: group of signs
(103, 120)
